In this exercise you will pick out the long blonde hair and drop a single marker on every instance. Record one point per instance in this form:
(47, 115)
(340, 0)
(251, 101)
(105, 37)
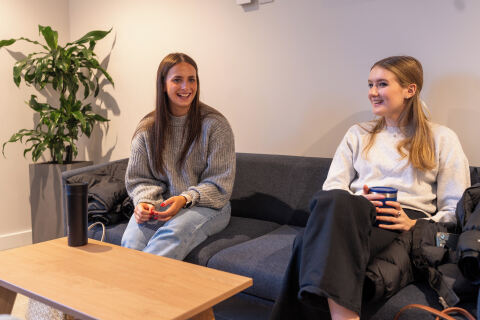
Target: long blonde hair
(413, 120)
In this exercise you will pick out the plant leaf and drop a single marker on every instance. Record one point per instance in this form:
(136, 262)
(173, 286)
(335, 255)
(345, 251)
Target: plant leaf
(93, 35)
(107, 75)
(98, 117)
(16, 137)
(77, 106)
(5, 43)
(29, 75)
(51, 36)
(35, 105)
(34, 42)
(38, 150)
(92, 44)
(59, 156)
(97, 89)
(88, 129)
(79, 116)
(86, 108)
(86, 89)
(17, 71)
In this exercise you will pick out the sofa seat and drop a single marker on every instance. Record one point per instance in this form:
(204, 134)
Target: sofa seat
(113, 233)
(264, 259)
(418, 293)
(238, 231)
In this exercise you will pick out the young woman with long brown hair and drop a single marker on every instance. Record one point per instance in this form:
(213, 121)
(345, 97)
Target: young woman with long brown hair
(348, 225)
(182, 166)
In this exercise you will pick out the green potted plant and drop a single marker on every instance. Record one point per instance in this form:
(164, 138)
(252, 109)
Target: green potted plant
(74, 73)
(66, 69)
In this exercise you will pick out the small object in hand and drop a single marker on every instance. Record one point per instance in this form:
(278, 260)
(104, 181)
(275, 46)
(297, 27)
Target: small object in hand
(390, 195)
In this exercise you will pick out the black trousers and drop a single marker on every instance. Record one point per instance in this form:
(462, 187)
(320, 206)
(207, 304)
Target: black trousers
(331, 255)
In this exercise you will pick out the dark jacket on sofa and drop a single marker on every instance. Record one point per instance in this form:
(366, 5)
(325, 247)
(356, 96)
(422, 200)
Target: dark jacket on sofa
(468, 214)
(108, 201)
(391, 270)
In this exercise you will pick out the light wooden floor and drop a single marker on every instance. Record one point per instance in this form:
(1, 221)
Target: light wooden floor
(20, 307)
(37, 311)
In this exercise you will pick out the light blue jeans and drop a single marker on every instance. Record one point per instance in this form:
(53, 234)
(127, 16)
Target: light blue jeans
(179, 235)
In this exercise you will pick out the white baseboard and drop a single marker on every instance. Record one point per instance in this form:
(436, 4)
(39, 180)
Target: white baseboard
(16, 239)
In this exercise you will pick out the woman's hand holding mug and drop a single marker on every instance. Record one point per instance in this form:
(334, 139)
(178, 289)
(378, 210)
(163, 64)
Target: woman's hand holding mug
(389, 212)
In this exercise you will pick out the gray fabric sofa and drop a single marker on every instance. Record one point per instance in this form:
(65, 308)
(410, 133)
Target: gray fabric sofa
(269, 206)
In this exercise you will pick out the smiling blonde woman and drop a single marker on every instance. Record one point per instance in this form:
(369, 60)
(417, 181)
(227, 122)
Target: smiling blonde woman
(348, 226)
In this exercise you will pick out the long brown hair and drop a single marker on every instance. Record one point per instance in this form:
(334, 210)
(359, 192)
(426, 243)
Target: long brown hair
(413, 120)
(156, 123)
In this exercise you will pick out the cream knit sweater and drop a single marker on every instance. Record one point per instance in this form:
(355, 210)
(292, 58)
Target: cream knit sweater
(435, 192)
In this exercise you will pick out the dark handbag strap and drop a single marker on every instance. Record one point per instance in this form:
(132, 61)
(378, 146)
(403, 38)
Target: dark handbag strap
(444, 314)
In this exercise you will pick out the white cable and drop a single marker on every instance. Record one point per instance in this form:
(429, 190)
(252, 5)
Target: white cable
(103, 229)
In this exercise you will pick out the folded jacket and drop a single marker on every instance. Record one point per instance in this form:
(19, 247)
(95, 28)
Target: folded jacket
(122, 211)
(107, 195)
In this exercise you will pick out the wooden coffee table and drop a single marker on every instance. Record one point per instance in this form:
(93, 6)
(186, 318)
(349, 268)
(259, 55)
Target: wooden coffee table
(105, 281)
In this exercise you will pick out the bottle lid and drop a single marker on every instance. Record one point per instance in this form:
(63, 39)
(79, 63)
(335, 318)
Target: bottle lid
(80, 187)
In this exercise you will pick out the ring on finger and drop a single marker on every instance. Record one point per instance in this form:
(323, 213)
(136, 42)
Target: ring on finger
(399, 213)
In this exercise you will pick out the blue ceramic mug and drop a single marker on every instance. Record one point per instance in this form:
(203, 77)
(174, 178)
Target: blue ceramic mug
(390, 195)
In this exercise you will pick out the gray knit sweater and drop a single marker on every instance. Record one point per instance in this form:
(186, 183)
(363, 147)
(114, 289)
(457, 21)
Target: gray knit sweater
(207, 174)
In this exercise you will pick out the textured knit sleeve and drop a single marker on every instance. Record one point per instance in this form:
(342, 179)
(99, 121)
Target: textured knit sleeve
(342, 172)
(216, 180)
(141, 184)
(453, 174)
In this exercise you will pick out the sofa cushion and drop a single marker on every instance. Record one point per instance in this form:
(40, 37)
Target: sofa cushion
(264, 259)
(113, 233)
(243, 306)
(238, 230)
(277, 187)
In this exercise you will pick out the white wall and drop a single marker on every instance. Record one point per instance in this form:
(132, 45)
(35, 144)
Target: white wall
(290, 75)
(20, 18)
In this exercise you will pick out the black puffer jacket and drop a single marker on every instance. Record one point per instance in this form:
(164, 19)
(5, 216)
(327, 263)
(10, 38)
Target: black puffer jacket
(392, 269)
(468, 215)
(415, 256)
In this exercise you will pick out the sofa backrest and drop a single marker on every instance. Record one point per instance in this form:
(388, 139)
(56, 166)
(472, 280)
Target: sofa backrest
(268, 187)
(277, 187)
(474, 175)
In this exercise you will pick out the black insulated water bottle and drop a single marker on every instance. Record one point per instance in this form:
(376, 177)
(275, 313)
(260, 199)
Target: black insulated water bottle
(77, 214)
